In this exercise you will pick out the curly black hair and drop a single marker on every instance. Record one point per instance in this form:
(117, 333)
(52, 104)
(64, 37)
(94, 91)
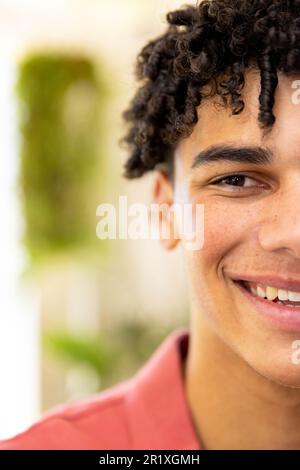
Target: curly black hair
(211, 43)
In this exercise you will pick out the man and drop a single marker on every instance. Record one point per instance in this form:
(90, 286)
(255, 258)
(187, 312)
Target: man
(216, 116)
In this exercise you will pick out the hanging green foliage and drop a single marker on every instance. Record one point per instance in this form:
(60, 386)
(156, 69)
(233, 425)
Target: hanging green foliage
(60, 100)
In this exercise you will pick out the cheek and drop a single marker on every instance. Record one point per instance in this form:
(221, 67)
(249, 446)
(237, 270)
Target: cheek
(229, 229)
(229, 242)
(226, 225)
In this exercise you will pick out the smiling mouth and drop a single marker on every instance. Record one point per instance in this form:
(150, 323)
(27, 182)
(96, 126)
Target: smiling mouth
(271, 294)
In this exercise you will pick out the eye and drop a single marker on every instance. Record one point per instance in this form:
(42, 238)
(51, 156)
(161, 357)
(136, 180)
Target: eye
(239, 181)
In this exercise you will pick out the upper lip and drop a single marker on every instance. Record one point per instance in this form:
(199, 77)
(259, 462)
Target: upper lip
(280, 282)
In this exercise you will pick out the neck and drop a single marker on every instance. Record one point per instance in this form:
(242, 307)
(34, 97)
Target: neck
(233, 407)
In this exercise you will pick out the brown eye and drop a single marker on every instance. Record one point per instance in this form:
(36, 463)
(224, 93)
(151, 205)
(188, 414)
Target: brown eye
(242, 181)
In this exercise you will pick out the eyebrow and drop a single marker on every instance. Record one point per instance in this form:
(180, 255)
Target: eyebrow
(228, 153)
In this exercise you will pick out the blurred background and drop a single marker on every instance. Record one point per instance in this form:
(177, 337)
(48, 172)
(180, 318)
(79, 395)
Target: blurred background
(77, 314)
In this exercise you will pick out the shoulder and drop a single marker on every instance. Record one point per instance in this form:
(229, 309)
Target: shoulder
(147, 411)
(96, 423)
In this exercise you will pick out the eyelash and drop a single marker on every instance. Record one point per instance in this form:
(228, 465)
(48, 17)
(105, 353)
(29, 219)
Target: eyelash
(220, 181)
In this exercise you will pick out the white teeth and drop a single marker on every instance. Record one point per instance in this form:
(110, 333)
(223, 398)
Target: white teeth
(253, 290)
(283, 294)
(294, 296)
(271, 293)
(261, 292)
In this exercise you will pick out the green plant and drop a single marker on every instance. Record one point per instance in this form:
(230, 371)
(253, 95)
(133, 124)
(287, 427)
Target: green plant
(60, 99)
(114, 354)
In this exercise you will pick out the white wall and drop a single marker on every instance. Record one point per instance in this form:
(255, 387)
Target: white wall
(19, 325)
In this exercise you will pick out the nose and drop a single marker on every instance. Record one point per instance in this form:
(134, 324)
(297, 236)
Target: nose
(280, 229)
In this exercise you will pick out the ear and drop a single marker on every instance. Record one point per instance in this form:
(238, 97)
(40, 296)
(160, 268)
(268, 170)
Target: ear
(163, 196)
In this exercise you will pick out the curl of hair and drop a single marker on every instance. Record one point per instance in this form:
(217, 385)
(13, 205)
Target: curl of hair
(211, 43)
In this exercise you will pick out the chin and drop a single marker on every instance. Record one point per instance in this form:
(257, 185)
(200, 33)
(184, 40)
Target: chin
(290, 379)
(278, 368)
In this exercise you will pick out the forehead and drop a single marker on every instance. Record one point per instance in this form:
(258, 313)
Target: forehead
(216, 124)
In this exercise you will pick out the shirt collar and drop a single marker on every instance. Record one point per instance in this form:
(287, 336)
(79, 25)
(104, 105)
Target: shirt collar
(158, 412)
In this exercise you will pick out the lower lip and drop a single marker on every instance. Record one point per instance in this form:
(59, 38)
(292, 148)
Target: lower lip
(285, 318)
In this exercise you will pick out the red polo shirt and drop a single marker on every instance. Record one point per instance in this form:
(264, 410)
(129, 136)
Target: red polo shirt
(147, 411)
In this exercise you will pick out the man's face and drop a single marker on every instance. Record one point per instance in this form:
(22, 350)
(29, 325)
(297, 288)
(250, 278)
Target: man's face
(251, 229)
